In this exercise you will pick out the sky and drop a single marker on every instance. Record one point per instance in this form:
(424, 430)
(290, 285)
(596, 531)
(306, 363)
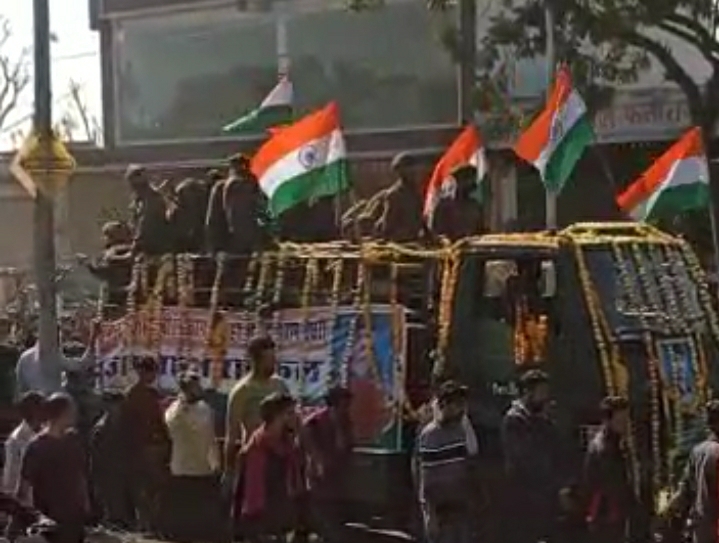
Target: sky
(75, 57)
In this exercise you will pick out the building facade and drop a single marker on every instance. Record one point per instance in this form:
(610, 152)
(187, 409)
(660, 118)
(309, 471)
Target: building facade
(176, 71)
(182, 70)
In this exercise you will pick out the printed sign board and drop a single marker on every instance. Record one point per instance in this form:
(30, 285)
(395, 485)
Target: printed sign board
(315, 347)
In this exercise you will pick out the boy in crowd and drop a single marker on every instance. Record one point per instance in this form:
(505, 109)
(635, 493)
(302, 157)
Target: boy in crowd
(54, 472)
(270, 481)
(444, 470)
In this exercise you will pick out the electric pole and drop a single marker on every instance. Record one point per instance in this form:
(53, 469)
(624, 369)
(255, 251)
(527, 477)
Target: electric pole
(551, 53)
(467, 69)
(44, 216)
(43, 166)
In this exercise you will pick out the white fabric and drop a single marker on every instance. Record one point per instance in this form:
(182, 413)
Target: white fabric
(15, 447)
(192, 431)
(30, 377)
(471, 437)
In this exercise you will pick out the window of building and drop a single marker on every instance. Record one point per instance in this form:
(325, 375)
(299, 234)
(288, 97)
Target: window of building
(186, 75)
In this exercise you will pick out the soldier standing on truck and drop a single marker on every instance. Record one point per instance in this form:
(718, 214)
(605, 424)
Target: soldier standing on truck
(530, 442)
(443, 469)
(243, 408)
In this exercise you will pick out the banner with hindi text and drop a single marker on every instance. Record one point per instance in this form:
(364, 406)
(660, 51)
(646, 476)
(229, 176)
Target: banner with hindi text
(315, 347)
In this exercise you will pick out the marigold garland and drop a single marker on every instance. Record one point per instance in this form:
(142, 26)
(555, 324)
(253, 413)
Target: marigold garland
(396, 331)
(635, 303)
(448, 287)
(131, 320)
(260, 289)
(342, 374)
(309, 286)
(277, 287)
(217, 337)
(154, 305)
(367, 328)
(184, 272)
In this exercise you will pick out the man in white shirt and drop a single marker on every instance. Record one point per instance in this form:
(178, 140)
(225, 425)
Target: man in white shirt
(195, 509)
(30, 374)
(30, 407)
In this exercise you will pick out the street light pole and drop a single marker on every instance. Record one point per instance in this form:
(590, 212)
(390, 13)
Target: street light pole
(43, 217)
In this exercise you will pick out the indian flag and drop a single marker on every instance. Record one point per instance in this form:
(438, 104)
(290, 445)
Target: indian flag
(275, 110)
(678, 181)
(557, 138)
(467, 149)
(304, 161)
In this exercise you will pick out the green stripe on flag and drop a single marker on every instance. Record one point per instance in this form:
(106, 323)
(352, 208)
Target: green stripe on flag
(677, 199)
(260, 120)
(565, 157)
(317, 183)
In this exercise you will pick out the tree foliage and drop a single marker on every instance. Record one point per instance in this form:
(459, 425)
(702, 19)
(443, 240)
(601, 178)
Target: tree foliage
(605, 42)
(608, 41)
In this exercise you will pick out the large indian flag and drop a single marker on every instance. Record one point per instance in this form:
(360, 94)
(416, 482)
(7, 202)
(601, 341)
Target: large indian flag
(467, 149)
(557, 138)
(304, 161)
(678, 181)
(275, 110)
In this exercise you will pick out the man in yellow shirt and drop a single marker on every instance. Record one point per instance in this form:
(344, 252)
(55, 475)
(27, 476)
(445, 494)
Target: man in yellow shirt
(243, 407)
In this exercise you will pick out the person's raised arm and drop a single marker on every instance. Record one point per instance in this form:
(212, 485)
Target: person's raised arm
(88, 358)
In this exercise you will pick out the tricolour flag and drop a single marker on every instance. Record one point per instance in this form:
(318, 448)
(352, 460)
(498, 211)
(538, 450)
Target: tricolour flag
(275, 110)
(467, 149)
(557, 138)
(678, 181)
(304, 161)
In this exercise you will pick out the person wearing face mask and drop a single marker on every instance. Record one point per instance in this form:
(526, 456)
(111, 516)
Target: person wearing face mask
(443, 468)
(531, 447)
(194, 492)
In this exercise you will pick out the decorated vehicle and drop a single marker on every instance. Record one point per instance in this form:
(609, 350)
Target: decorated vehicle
(610, 308)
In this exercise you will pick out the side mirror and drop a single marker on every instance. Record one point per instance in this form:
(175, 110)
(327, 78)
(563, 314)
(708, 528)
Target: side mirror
(548, 279)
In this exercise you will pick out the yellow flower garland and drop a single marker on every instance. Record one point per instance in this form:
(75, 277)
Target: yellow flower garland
(184, 273)
(450, 275)
(337, 269)
(308, 290)
(217, 337)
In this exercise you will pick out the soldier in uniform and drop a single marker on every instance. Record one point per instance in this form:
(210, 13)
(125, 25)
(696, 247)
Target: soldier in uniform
(402, 218)
(187, 216)
(151, 232)
(245, 207)
(216, 230)
(459, 215)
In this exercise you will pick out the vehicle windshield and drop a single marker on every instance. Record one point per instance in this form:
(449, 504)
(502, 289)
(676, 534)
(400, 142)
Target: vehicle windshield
(645, 286)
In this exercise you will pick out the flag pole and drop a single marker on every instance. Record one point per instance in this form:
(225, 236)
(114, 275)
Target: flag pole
(283, 49)
(551, 54)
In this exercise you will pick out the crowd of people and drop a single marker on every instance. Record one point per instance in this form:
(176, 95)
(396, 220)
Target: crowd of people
(152, 467)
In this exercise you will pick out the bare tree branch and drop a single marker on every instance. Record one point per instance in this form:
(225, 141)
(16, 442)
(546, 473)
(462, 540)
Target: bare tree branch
(14, 76)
